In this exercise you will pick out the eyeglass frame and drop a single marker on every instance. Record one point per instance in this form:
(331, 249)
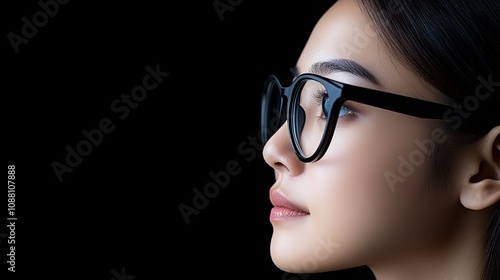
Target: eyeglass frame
(381, 99)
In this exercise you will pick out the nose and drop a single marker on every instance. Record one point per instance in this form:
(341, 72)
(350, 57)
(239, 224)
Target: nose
(279, 154)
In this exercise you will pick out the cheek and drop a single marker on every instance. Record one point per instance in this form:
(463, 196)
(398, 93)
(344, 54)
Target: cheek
(352, 200)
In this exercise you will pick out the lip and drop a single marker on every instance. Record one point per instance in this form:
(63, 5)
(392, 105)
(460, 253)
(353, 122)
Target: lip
(284, 209)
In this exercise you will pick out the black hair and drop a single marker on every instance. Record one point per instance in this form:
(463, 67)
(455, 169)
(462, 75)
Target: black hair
(455, 47)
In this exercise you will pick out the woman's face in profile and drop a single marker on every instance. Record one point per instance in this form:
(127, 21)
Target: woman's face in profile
(364, 202)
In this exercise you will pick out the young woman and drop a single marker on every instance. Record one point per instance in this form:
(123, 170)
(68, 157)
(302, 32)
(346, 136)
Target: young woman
(386, 145)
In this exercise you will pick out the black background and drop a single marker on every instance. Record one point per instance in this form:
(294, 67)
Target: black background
(118, 208)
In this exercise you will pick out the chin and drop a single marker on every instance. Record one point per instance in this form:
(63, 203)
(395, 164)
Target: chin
(312, 255)
(301, 257)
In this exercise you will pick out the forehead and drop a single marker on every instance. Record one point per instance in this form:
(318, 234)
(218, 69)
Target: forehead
(344, 32)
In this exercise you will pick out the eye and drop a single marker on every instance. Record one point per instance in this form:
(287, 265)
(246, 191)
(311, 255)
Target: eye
(323, 98)
(344, 111)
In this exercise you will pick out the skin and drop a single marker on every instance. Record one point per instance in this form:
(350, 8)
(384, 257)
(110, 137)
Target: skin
(354, 218)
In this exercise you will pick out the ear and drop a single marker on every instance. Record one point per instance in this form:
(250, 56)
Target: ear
(483, 172)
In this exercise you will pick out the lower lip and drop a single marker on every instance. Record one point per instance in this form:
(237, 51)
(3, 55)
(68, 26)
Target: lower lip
(279, 214)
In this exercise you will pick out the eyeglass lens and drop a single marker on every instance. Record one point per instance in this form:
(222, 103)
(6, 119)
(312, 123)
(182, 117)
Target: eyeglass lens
(309, 113)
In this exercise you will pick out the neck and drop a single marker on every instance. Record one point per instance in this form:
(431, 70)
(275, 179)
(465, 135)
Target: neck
(458, 255)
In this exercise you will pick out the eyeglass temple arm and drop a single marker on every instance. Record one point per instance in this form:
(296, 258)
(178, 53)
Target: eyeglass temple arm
(397, 103)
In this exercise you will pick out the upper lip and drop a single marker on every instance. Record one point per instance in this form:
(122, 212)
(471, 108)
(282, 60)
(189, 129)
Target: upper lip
(279, 200)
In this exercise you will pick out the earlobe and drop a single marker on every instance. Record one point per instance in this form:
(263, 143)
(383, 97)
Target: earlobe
(481, 195)
(483, 188)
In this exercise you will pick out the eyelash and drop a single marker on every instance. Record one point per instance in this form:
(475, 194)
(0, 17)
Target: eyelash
(319, 97)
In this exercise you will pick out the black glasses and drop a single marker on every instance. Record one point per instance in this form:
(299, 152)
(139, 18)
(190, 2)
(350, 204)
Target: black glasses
(312, 105)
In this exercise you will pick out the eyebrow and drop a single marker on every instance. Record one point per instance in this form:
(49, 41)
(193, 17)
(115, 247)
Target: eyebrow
(324, 68)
